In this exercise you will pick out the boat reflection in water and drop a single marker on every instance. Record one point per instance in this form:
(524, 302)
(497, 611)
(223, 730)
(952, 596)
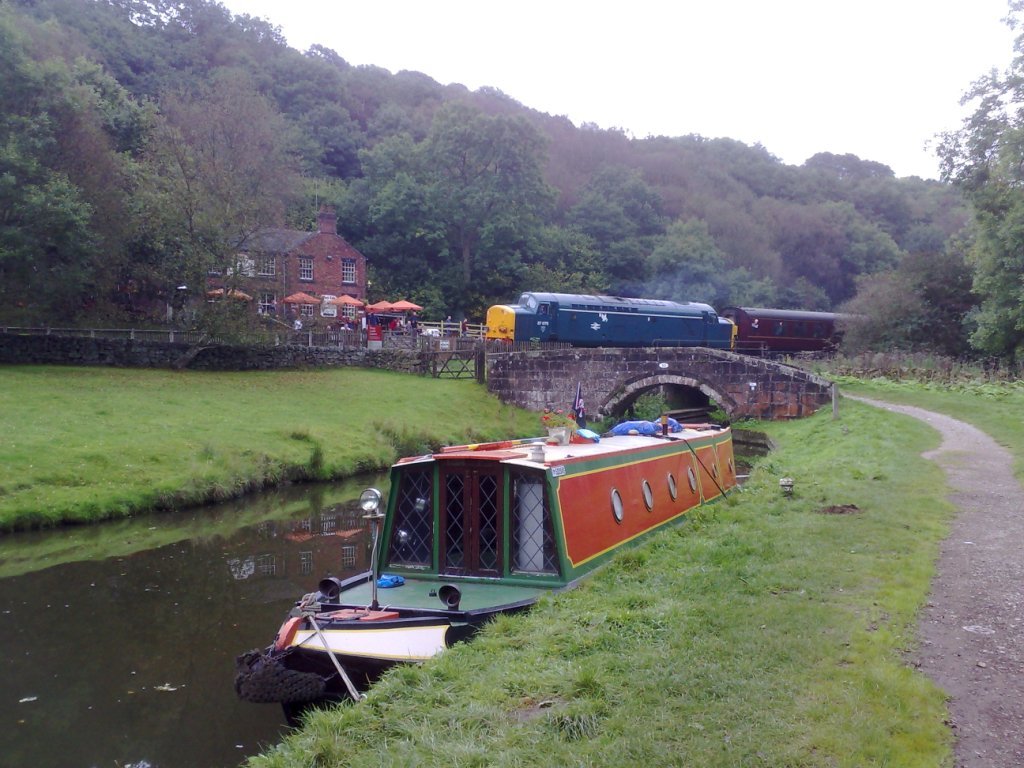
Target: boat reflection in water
(478, 530)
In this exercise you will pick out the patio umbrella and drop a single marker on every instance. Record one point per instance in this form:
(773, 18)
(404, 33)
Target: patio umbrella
(232, 294)
(346, 300)
(406, 306)
(380, 306)
(301, 298)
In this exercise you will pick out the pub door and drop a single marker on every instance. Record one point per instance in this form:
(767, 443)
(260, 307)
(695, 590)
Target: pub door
(471, 534)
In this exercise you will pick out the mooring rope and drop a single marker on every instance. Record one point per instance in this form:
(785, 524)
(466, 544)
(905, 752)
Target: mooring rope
(356, 695)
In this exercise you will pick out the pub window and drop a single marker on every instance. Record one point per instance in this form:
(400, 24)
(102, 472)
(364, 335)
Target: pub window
(348, 270)
(268, 266)
(305, 563)
(267, 303)
(243, 266)
(305, 268)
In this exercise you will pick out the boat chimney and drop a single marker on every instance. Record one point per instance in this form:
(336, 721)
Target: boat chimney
(537, 452)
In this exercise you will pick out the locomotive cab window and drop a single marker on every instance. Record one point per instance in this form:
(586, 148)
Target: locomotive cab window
(542, 309)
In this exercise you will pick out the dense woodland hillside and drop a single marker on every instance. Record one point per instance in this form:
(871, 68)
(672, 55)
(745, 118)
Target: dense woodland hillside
(142, 140)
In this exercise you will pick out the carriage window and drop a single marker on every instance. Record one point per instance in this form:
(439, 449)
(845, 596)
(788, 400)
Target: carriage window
(533, 541)
(412, 535)
(779, 328)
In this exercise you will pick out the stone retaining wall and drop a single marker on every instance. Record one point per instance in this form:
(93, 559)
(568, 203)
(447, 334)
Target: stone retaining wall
(131, 353)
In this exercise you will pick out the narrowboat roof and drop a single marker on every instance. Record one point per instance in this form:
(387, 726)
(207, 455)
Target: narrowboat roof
(524, 451)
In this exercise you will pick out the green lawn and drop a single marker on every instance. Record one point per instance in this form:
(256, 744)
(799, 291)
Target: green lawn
(83, 444)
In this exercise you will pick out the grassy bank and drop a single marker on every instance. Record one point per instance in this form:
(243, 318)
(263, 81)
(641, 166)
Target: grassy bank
(995, 409)
(84, 444)
(769, 632)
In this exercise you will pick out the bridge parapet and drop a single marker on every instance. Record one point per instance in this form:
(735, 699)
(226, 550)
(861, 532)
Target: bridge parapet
(744, 386)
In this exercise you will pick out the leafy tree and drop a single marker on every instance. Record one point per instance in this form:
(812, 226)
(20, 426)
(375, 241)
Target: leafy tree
(829, 245)
(686, 265)
(983, 158)
(220, 170)
(563, 261)
(622, 214)
(66, 131)
(486, 186)
(922, 304)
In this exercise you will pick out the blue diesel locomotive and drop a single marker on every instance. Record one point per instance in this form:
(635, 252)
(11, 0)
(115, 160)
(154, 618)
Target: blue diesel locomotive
(609, 321)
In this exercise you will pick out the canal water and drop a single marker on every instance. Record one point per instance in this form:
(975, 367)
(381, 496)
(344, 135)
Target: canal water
(119, 639)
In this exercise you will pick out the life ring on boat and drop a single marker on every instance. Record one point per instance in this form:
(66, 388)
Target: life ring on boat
(286, 633)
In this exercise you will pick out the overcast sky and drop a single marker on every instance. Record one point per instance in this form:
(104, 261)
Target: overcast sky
(875, 78)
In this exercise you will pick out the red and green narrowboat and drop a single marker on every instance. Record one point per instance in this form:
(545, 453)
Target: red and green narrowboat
(478, 530)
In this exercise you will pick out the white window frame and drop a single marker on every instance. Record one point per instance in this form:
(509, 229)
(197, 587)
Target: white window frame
(266, 300)
(244, 265)
(306, 268)
(267, 266)
(348, 271)
(307, 310)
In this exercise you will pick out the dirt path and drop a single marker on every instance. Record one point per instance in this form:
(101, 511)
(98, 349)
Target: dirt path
(972, 628)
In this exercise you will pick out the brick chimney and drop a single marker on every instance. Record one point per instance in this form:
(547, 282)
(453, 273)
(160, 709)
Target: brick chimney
(327, 220)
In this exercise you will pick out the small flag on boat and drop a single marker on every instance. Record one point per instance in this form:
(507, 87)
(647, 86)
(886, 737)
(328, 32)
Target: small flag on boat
(578, 408)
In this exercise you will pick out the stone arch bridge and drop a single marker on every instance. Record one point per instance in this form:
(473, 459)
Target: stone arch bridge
(612, 378)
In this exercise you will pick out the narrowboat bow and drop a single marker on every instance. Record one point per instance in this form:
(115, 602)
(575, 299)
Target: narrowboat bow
(475, 531)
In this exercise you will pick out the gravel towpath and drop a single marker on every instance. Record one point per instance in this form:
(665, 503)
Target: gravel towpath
(972, 627)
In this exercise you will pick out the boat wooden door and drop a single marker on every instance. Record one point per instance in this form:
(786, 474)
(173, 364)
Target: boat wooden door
(471, 527)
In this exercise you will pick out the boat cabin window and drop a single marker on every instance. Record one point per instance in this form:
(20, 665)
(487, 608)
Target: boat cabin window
(532, 541)
(412, 534)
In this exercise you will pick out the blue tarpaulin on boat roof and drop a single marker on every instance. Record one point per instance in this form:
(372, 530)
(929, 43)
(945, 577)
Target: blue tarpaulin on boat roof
(645, 427)
(388, 580)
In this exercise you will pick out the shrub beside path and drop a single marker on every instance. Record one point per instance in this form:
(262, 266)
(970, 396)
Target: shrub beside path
(972, 627)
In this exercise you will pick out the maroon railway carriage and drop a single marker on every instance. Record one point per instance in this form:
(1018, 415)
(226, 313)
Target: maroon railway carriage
(783, 330)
